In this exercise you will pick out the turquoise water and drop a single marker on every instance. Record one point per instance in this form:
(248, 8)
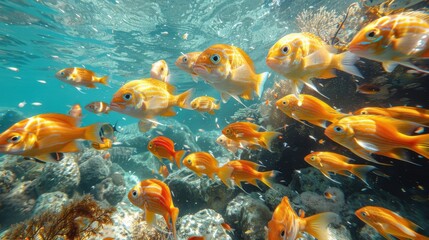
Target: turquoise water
(121, 39)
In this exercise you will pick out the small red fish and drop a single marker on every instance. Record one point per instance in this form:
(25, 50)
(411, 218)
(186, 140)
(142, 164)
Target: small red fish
(368, 88)
(227, 227)
(163, 147)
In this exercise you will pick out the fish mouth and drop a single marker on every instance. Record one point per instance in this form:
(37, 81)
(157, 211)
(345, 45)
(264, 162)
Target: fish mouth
(355, 48)
(199, 69)
(117, 106)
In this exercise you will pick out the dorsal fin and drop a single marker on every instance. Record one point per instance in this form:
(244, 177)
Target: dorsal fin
(59, 117)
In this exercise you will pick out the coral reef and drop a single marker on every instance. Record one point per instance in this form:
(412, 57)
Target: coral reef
(80, 219)
(203, 223)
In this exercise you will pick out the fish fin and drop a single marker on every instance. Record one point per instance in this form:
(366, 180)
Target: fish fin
(224, 173)
(297, 119)
(70, 147)
(328, 176)
(238, 184)
(410, 65)
(329, 73)
(398, 153)
(247, 95)
(345, 62)
(182, 100)
(38, 161)
(367, 146)
(267, 138)
(253, 182)
(225, 96)
(50, 157)
(62, 117)
(174, 214)
(361, 171)
(211, 175)
(199, 174)
(212, 112)
(297, 87)
(149, 217)
(194, 77)
(260, 82)
(311, 85)
(317, 225)
(268, 178)
(319, 123)
(91, 85)
(422, 145)
(94, 132)
(389, 66)
(104, 80)
(316, 59)
(169, 112)
(178, 155)
(363, 153)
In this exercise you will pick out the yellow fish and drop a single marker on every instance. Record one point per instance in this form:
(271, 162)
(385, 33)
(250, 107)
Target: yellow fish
(389, 224)
(201, 163)
(233, 146)
(80, 77)
(413, 114)
(205, 104)
(160, 71)
(230, 71)
(300, 57)
(327, 162)
(394, 39)
(186, 63)
(367, 134)
(308, 108)
(148, 98)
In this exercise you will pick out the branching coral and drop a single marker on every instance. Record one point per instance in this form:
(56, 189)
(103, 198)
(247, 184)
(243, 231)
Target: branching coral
(80, 219)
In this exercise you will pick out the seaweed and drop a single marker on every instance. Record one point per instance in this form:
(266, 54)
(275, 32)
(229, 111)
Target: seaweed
(79, 219)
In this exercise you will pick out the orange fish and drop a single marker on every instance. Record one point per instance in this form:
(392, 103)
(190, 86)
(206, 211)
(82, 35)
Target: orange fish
(201, 163)
(413, 114)
(227, 227)
(146, 125)
(232, 145)
(205, 104)
(148, 98)
(308, 108)
(160, 71)
(394, 39)
(327, 162)
(163, 170)
(163, 147)
(197, 238)
(76, 112)
(46, 137)
(186, 63)
(300, 57)
(368, 88)
(389, 224)
(230, 70)
(330, 196)
(107, 143)
(80, 77)
(106, 156)
(366, 134)
(98, 107)
(242, 170)
(249, 132)
(154, 197)
(287, 225)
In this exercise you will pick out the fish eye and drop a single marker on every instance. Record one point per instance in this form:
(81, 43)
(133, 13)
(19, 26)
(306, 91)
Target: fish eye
(372, 35)
(215, 58)
(134, 193)
(284, 102)
(127, 96)
(150, 145)
(364, 112)
(338, 129)
(313, 158)
(228, 131)
(189, 161)
(285, 49)
(220, 140)
(185, 59)
(62, 73)
(282, 234)
(162, 69)
(14, 139)
(364, 214)
(194, 105)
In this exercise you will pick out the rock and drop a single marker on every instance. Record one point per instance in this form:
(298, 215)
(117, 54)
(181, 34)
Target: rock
(369, 233)
(6, 180)
(273, 196)
(338, 233)
(252, 215)
(207, 142)
(93, 171)
(314, 203)
(142, 165)
(8, 117)
(110, 190)
(63, 176)
(206, 223)
(17, 205)
(52, 201)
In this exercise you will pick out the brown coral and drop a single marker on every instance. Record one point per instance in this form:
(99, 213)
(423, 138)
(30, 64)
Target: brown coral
(80, 219)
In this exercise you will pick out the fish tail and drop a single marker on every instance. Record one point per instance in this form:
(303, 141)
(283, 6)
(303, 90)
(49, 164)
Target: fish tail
(268, 178)
(182, 100)
(224, 173)
(345, 62)
(178, 156)
(174, 215)
(317, 225)
(361, 171)
(104, 80)
(260, 82)
(421, 237)
(267, 138)
(422, 145)
(96, 132)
